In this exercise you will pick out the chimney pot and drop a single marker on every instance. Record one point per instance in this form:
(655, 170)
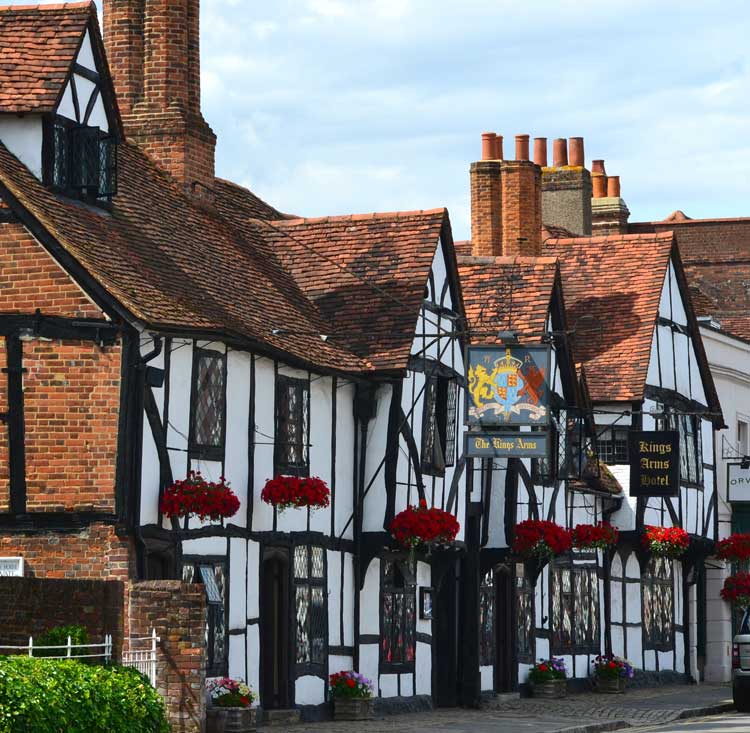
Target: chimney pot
(575, 151)
(599, 185)
(540, 151)
(488, 145)
(560, 152)
(499, 147)
(597, 166)
(613, 187)
(522, 147)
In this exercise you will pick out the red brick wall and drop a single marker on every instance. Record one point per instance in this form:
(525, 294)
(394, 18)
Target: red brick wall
(71, 408)
(31, 606)
(31, 279)
(178, 613)
(522, 208)
(486, 209)
(94, 553)
(4, 475)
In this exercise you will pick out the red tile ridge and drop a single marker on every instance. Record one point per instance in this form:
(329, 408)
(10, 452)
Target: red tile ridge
(86, 4)
(610, 238)
(690, 221)
(362, 217)
(506, 260)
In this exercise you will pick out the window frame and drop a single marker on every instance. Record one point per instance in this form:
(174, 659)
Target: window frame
(613, 430)
(439, 424)
(213, 669)
(690, 430)
(107, 148)
(577, 565)
(409, 592)
(524, 587)
(198, 450)
(650, 579)
(318, 668)
(281, 464)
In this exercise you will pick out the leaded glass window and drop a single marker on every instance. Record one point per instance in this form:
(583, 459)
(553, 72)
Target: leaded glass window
(439, 425)
(612, 445)
(208, 404)
(212, 575)
(524, 616)
(657, 596)
(398, 617)
(292, 445)
(311, 617)
(487, 619)
(575, 608)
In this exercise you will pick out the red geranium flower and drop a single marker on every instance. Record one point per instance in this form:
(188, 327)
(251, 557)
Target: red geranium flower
(534, 537)
(735, 548)
(666, 541)
(194, 496)
(420, 525)
(284, 492)
(736, 590)
(601, 536)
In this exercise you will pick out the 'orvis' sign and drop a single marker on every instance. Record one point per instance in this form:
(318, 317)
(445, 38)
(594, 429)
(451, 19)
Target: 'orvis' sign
(654, 463)
(738, 482)
(506, 445)
(508, 385)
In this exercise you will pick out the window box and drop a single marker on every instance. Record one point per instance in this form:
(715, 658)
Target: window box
(230, 720)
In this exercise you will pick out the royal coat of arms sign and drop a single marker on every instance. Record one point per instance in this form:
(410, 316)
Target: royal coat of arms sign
(508, 385)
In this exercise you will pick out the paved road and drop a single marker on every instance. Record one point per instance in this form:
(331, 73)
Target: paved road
(726, 723)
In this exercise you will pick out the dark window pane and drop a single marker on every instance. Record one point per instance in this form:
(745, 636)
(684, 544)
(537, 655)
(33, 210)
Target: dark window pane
(303, 621)
(451, 422)
(658, 604)
(300, 561)
(575, 609)
(292, 425)
(311, 616)
(487, 620)
(524, 617)
(398, 618)
(318, 562)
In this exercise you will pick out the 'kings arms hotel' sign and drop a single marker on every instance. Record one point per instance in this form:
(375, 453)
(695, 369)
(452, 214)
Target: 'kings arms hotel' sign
(654, 463)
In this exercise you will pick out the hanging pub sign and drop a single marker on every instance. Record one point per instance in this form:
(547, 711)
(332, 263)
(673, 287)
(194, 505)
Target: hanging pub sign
(654, 463)
(504, 444)
(738, 482)
(508, 385)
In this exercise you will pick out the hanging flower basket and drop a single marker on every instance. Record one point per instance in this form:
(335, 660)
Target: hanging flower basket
(595, 536)
(194, 496)
(666, 541)
(736, 590)
(735, 548)
(540, 539)
(285, 492)
(418, 525)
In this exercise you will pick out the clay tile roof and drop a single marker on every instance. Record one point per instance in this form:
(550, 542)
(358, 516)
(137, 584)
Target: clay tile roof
(552, 231)
(366, 273)
(612, 288)
(173, 264)
(507, 294)
(716, 254)
(38, 44)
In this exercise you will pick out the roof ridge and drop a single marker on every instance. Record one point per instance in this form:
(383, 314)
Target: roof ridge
(507, 259)
(609, 238)
(364, 217)
(80, 5)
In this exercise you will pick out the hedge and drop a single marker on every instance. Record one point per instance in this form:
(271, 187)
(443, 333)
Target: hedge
(51, 696)
(58, 636)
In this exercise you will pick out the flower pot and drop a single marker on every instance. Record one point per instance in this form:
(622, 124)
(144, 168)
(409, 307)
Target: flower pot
(229, 720)
(610, 685)
(353, 708)
(551, 689)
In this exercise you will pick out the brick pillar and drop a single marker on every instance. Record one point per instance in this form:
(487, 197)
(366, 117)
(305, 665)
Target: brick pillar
(521, 208)
(178, 613)
(486, 208)
(123, 32)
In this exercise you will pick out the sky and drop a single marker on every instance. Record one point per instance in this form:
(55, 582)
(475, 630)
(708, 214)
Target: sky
(327, 107)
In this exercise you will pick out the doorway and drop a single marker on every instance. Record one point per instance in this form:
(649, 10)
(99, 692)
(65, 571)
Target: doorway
(275, 653)
(506, 667)
(445, 639)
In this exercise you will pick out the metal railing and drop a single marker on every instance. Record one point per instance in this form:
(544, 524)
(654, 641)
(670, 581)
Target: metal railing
(144, 659)
(142, 652)
(67, 651)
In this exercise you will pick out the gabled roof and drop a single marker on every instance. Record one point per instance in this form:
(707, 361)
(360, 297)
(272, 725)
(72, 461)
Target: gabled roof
(612, 290)
(507, 293)
(716, 253)
(366, 273)
(38, 44)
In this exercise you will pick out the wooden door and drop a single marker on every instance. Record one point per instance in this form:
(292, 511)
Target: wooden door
(445, 640)
(506, 666)
(275, 653)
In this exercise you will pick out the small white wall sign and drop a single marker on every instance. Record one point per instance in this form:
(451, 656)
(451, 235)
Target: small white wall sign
(738, 482)
(11, 567)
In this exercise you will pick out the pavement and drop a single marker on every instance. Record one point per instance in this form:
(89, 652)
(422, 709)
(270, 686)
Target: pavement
(585, 712)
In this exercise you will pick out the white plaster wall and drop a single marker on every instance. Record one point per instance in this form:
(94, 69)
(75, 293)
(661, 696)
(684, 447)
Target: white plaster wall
(23, 137)
(149, 457)
(253, 657)
(237, 579)
(86, 55)
(338, 663)
(388, 685)
(377, 441)
(181, 366)
(423, 669)
(334, 598)
(237, 434)
(486, 675)
(253, 575)
(206, 546)
(348, 560)
(264, 437)
(236, 666)
(344, 459)
(369, 607)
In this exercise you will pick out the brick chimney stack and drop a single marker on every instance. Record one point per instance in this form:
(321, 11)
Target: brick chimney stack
(153, 48)
(506, 206)
(566, 188)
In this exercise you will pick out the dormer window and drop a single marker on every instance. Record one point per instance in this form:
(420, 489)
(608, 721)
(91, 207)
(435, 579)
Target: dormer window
(80, 161)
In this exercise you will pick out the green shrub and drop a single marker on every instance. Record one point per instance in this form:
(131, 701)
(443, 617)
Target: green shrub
(66, 696)
(58, 636)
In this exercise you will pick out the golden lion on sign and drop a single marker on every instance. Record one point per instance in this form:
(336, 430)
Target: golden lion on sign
(482, 384)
